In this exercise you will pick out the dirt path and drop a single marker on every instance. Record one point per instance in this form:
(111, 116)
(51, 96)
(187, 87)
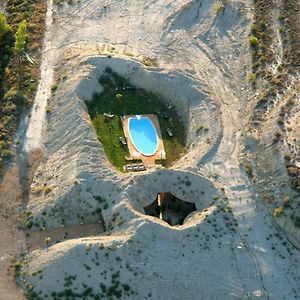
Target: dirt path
(12, 241)
(269, 250)
(36, 239)
(36, 123)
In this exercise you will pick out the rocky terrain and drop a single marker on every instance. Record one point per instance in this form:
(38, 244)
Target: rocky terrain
(87, 235)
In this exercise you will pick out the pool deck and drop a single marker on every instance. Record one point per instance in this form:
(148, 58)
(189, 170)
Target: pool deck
(148, 160)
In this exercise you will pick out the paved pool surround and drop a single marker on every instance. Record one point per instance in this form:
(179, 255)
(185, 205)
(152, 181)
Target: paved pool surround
(143, 135)
(147, 158)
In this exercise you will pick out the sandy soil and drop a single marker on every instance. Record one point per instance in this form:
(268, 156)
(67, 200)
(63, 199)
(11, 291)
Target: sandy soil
(201, 61)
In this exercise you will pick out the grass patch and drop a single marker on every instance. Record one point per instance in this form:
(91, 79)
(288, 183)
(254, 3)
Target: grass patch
(132, 101)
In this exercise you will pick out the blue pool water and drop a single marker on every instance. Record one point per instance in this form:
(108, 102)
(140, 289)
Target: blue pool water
(143, 135)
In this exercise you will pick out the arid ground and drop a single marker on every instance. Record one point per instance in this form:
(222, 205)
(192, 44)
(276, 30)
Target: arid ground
(231, 70)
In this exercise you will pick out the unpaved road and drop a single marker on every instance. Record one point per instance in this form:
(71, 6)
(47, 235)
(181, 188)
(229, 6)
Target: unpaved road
(12, 241)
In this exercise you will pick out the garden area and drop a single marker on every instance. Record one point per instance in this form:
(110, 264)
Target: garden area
(120, 98)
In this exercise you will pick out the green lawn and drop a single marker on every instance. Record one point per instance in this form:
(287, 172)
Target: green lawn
(136, 101)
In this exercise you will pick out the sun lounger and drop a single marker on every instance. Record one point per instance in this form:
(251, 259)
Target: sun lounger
(123, 140)
(134, 168)
(169, 131)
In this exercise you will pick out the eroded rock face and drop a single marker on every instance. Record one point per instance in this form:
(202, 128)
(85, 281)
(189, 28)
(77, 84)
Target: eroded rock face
(145, 260)
(184, 185)
(74, 157)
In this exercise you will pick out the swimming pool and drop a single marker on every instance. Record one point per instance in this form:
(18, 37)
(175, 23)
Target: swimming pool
(143, 135)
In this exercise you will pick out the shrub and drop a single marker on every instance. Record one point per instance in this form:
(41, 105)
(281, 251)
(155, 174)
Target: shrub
(293, 171)
(29, 224)
(150, 62)
(287, 202)
(48, 189)
(252, 77)
(4, 27)
(253, 40)
(254, 28)
(282, 29)
(47, 241)
(188, 183)
(249, 170)
(54, 87)
(262, 25)
(218, 7)
(14, 95)
(278, 211)
(279, 68)
(18, 267)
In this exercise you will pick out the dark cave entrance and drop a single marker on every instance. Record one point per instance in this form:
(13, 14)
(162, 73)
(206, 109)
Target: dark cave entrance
(170, 209)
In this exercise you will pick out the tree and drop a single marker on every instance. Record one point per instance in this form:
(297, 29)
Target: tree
(20, 37)
(4, 27)
(20, 42)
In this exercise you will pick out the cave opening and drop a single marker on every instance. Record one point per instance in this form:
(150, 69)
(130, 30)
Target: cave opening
(170, 209)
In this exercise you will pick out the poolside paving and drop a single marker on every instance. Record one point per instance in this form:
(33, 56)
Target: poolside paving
(148, 160)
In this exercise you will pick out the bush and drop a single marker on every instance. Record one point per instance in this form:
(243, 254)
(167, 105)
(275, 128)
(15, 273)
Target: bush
(278, 211)
(253, 40)
(4, 27)
(18, 267)
(252, 77)
(29, 224)
(48, 189)
(293, 171)
(254, 28)
(20, 37)
(218, 7)
(282, 29)
(287, 202)
(15, 96)
(54, 87)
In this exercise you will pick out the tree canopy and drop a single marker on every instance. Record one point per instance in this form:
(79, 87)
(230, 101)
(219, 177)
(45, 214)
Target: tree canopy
(20, 37)
(4, 27)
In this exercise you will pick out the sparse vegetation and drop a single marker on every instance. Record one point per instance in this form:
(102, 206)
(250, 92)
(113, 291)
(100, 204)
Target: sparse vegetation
(21, 29)
(150, 62)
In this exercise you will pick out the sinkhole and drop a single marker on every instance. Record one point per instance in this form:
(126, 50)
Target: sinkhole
(170, 209)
